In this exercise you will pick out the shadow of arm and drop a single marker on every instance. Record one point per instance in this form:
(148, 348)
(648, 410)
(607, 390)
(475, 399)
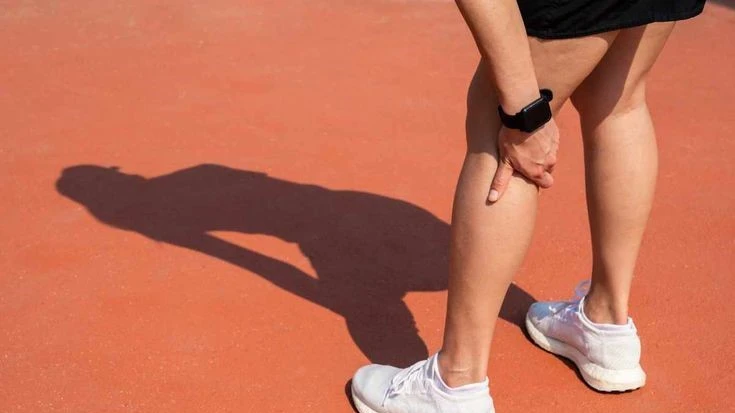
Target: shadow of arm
(281, 274)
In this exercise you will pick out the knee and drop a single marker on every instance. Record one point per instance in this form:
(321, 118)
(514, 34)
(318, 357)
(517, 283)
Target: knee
(595, 104)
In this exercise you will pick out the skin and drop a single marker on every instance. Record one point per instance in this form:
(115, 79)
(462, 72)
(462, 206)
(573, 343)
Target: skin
(621, 163)
(496, 198)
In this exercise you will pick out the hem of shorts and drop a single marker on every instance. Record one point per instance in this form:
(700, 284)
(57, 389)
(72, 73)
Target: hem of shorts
(550, 34)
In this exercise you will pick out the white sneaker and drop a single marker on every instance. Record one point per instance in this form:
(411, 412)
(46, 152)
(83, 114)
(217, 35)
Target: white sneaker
(607, 356)
(417, 389)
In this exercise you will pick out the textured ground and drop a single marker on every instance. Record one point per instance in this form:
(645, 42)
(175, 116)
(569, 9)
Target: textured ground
(229, 206)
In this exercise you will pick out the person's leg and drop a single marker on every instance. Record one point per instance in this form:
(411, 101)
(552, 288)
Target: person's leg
(489, 241)
(620, 165)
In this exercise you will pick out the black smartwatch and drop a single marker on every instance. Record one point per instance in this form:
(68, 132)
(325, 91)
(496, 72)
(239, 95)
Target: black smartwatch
(532, 117)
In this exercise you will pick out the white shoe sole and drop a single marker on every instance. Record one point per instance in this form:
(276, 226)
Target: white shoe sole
(598, 377)
(359, 405)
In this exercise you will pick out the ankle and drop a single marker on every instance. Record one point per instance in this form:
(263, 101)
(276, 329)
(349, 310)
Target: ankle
(456, 374)
(601, 308)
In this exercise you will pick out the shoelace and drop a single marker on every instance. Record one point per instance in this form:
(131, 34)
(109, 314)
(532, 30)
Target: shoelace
(404, 379)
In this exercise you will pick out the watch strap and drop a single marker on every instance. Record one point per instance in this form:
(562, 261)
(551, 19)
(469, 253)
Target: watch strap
(516, 121)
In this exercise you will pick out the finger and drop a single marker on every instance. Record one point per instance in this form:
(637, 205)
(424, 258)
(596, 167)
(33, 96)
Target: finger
(545, 180)
(500, 181)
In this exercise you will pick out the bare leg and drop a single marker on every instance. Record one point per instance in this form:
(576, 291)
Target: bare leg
(489, 241)
(620, 165)
(483, 256)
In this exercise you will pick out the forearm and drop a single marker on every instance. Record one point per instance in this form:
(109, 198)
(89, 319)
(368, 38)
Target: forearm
(498, 30)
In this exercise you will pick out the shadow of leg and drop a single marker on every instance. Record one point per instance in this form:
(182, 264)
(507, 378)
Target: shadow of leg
(515, 305)
(385, 331)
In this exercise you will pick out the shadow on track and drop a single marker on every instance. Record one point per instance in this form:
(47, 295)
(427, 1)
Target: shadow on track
(368, 250)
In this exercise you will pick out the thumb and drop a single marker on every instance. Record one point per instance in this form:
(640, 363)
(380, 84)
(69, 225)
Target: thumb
(500, 181)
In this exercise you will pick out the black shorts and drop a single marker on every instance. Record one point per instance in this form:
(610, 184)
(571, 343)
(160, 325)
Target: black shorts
(559, 19)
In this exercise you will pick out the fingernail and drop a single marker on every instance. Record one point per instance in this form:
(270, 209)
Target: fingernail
(493, 195)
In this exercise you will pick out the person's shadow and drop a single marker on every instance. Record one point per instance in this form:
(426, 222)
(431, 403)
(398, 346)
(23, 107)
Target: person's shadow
(368, 250)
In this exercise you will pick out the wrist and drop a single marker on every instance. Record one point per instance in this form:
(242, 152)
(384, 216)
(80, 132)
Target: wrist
(513, 101)
(532, 116)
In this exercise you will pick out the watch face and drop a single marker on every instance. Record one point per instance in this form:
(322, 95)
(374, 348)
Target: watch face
(535, 115)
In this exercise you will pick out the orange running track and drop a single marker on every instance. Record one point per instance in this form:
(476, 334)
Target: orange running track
(222, 206)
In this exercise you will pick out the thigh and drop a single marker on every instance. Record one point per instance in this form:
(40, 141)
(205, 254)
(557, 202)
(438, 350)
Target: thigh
(618, 82)
(560, 65)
